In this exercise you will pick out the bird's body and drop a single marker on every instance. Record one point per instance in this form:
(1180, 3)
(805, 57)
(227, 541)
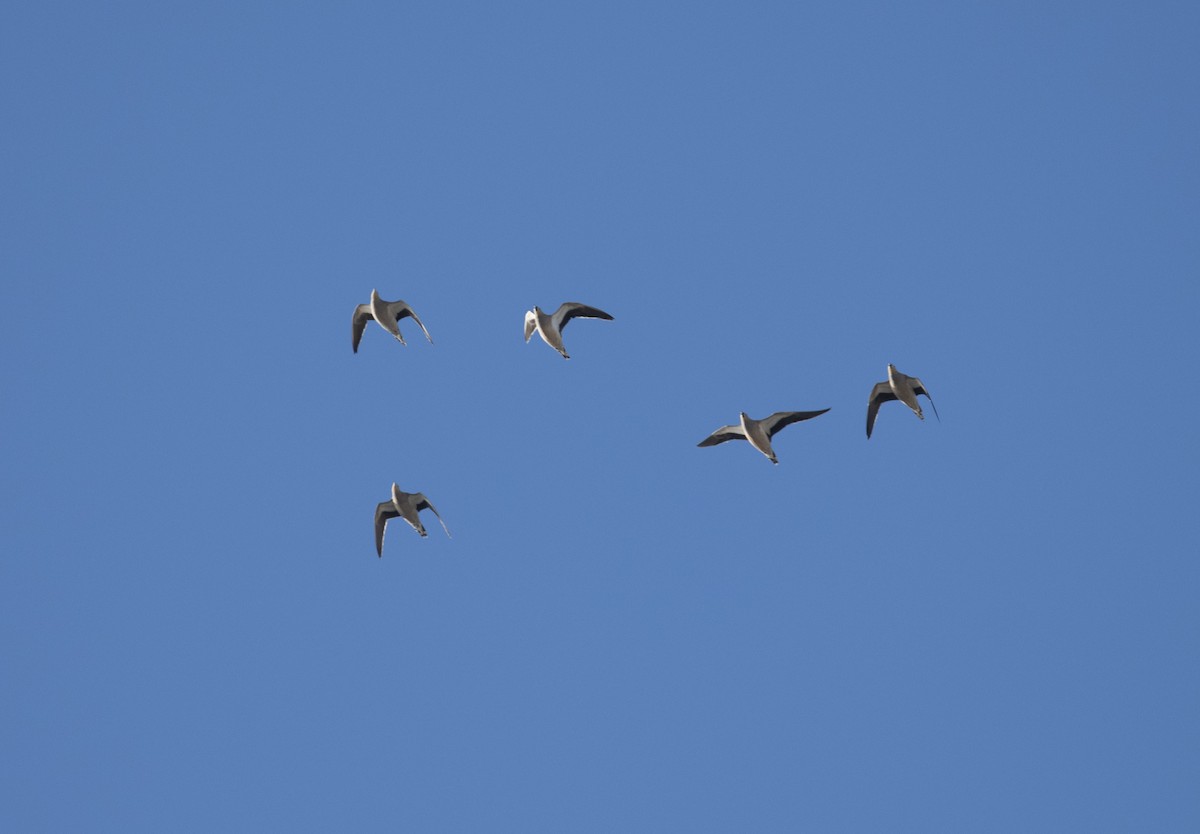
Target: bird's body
(387, 313)
(550, 326)
(900, 387)
(759, 432)
(406, 505)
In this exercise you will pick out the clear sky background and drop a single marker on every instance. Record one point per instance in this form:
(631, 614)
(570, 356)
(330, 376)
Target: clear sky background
(987, 623)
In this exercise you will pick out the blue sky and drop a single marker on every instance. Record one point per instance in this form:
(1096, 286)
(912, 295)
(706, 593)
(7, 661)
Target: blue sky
(986, 623)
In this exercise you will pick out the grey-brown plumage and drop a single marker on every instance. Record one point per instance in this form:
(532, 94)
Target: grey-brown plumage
(550, 326)
(900, 387)
(406, 505)
(759, 432)
(387, 313)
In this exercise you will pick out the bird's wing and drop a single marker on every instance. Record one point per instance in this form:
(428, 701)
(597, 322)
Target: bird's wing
(530, 324)
(881, 393)
(399, 309)
(722, 434)
(918, 388)
(781, 419)
(383, 512)
(362, 315)
(574, 310)
(422, 503)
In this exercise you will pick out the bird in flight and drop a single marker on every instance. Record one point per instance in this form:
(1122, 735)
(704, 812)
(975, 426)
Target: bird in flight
(759, 432)
(406, 505)
(900, 387)
(550, 327)
(388, 314)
